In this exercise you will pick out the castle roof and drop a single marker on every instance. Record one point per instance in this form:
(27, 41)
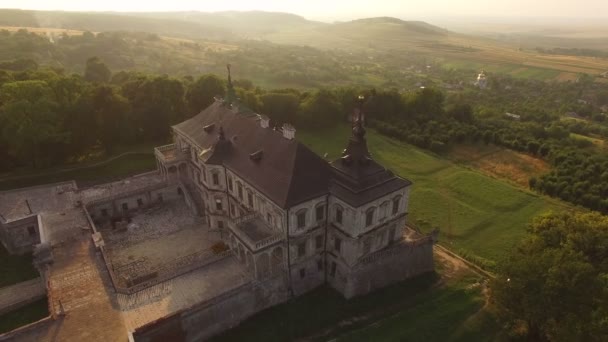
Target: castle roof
(283, 169)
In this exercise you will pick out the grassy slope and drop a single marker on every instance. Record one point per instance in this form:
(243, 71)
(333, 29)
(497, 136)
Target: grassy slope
(25, 315)
(15, 268)
(418, 309)
(479, 216)
(116, 169)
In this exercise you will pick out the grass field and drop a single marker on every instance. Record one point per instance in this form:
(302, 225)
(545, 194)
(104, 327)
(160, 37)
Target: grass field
(479, 216)
(116, 169)
(424, 308)
(15, 268)
(28, 314)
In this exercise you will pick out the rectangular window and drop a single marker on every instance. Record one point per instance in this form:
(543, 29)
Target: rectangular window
(125, 206)
(301, 249)
(367, 245)
(391, 234)
(269, 219)
(320, 265)
(216, 179)
(230, 186)
(337, 244)
(333, 269)
(140, 202)
(31, 230)
(319, 242)
(301, 220)
(218, 204)
(339, 215)
(240, 190)
(104, 212)
(220, 224)
(302, 273)
(395, 206)
(320, 212)
(250, 199)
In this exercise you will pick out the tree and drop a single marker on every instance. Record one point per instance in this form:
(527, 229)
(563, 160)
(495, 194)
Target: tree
(29, 120)
(110, 112)
(554, 285)
(280, 107)
(322, 109)
(96, 71)
(200, 94)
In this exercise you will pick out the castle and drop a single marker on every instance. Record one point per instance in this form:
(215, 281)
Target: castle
(238, 217)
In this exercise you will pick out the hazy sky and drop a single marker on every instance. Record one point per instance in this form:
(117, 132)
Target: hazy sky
(341, 9)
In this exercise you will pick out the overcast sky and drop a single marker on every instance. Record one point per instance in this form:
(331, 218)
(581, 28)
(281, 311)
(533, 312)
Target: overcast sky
(342, 9)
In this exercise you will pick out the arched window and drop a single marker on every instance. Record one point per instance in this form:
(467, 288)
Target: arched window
(239, 190)
(369, 216)
(215, 178)
(383, 210)
(396, 203)
(301, 218)
(339, 213)
(230, 186)
(320, 212)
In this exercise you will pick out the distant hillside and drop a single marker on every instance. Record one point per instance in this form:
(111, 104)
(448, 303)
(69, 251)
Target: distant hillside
(381, 32)
(194, 25)
(243, 23)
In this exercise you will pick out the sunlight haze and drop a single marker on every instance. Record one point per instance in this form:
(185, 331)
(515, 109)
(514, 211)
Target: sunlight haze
(339, 9)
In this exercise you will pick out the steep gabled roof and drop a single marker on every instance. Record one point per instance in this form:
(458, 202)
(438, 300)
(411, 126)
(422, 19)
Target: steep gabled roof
(285, 171)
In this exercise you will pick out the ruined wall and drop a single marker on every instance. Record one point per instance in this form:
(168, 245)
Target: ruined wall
(20, 236)
(217, 315)
(391, 266)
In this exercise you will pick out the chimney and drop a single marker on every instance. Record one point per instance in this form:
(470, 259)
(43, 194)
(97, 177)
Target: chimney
(264, 121)
(289, 132)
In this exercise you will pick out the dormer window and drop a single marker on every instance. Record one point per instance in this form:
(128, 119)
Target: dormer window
(257, 155)
(209, 128)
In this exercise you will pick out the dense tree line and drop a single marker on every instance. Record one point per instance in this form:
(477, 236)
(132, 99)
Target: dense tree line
(554, 285)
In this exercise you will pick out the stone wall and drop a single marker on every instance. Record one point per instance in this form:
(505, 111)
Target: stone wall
(219, 314)
(405, 260)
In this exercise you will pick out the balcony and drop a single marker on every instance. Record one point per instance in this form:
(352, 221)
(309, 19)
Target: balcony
(169, 154)
(255, 232)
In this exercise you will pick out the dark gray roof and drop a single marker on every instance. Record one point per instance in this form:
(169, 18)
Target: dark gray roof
(287, 172)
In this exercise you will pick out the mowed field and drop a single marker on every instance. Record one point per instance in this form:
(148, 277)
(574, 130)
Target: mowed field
(479, 216)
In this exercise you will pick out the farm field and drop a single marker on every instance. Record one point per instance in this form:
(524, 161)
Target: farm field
(479, 217)
(499, 162)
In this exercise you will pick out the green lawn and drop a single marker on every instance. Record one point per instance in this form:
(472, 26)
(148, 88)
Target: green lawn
(479, 216)
(116, 169)
(15, 268)
(28, 314)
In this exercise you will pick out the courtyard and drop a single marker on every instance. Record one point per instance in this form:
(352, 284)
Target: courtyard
(160, 239)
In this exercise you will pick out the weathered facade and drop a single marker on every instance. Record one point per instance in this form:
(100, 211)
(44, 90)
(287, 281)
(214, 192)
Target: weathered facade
(278, 204)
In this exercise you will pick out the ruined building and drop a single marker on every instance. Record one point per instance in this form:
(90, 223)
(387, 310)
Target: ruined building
(238, 217)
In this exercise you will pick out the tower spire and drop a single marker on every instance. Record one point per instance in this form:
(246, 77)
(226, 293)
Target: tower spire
(356, 152)
(230, 94)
